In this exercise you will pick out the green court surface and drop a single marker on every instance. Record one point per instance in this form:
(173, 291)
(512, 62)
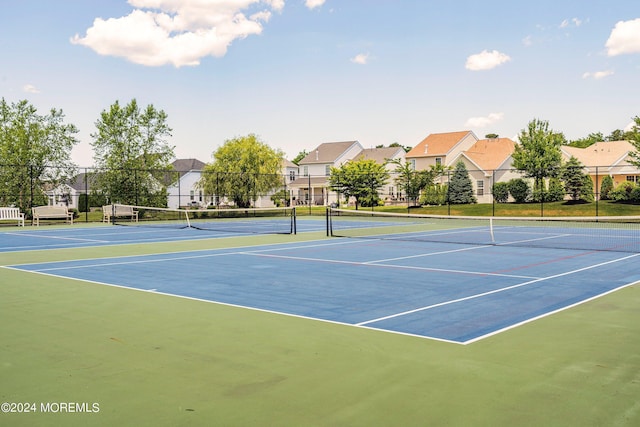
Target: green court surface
(148, 359)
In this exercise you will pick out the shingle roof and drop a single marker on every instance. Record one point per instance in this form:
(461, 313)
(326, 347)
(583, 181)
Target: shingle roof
(490, 154)
(380, 155)
(186, 165)
(607, 153)
(327, 152)
(437, 144)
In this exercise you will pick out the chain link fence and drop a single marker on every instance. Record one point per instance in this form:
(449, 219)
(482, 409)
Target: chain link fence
(86, 190)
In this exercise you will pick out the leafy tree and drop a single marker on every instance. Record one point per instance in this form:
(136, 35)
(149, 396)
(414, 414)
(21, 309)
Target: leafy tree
(500, 192)
(574, 178)
(538, 154)
(519, 190)
(587, 189)
(434, 195)
(301, 155)
(591, 139)
(243, 168)
(359, 179)
(34, 149)
(411, 182)
(460, 186)
(130, 146)
(634, 138)
(606, 187)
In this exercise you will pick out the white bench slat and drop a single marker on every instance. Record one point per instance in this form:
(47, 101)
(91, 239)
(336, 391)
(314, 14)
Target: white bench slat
(13, 214)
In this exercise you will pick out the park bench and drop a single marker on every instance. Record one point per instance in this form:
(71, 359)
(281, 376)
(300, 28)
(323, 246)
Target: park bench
(119, 211)
(12, 214)
(51, 212)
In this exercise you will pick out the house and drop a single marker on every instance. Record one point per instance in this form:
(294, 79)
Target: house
(68, 193)
(312, 184)
(606, 158)
(440, 149)
(182, 184)
(383, 156)
(488, 161)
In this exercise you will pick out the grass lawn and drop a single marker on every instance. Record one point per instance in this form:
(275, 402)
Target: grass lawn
(154, 360)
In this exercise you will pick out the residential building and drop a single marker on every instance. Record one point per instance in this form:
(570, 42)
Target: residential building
(440, 149)
(312, 184)
(606, 158)
(182, 188)
(488, 161)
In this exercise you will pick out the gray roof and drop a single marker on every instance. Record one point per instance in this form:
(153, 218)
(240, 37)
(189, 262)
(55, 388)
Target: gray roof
(186, 165)
(327, 152)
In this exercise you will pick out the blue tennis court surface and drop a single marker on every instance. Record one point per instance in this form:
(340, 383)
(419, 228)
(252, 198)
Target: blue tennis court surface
(450, 292)
(44, 238)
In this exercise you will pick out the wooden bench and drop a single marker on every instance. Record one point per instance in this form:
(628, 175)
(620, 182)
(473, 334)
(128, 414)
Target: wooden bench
(51, 212)
(12, 214)
(118, 211)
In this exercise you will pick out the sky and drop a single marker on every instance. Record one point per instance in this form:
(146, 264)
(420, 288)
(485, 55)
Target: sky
(299, 73)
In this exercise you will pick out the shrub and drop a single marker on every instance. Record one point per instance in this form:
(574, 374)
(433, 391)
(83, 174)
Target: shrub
(500, 192)
(434, 195)
(519, 189)
(556, 190)
(622, 192)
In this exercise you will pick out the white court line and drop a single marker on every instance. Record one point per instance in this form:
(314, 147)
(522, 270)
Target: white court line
(495, 291)
(39, 236)
(400, 267)
(172, 258)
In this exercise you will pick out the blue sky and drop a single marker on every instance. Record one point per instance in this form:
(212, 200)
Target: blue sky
(302, 72)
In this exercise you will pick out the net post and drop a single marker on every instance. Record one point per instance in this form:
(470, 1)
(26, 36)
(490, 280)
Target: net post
(186, 217)
(326, 218)
(294, 221)
(493, 239)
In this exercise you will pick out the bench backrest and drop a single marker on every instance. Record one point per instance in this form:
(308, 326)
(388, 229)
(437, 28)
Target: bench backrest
(10, 213)
(118, 211)
(50, 210)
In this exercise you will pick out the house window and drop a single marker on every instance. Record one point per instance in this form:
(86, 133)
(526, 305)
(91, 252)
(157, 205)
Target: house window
(192, 195)
(200, 195)
(327, 170)
(479, 188)
(292, 175)
(438, 161)
(632, 178)
(413, 164)
(305, 170)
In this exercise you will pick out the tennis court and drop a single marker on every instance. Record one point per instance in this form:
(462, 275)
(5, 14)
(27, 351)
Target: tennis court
(454, 292)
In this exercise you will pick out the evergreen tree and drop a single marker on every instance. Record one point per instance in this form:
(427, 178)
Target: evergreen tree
(606, 187)
(460, 187)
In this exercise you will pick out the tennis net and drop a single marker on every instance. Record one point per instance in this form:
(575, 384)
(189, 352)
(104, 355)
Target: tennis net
(239, 220)
(621, 234)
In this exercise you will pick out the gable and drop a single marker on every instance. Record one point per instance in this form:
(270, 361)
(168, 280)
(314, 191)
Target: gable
(329, 152)
(439, 144)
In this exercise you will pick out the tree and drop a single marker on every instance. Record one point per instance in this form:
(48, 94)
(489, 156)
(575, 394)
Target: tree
(538, 154)
(359, 179)
(301, 155)
(633, 137)
(411, 182)
(556, 190)
(606, 187)
(34, 150)
(574, 179)
(130, 146)
(460, 186)
(243, 168)
(591, 139)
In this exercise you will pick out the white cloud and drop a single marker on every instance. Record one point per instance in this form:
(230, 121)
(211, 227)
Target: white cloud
(527, 41)
(568, 22)
(178, 32)
(483, 122)
(361, 58)
(28, 88)
(312, 4)
(624, 38)
(598, 74)
(486, 60)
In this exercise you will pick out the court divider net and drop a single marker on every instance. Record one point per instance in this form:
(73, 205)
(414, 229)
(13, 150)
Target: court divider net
(233, 220)
(617, 233)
